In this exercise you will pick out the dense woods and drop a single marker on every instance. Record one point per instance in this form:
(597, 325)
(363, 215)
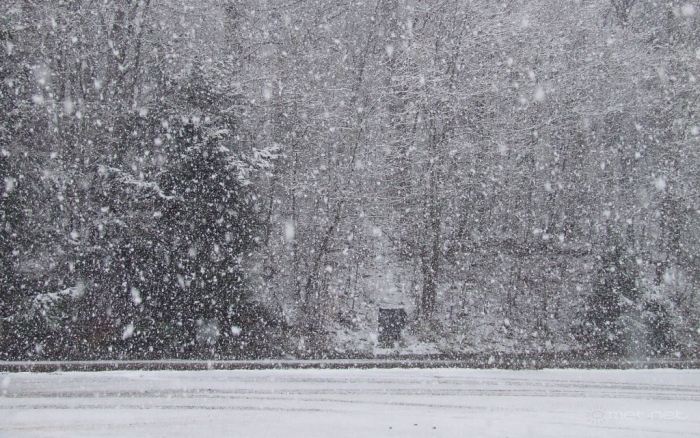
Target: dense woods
(256, 178)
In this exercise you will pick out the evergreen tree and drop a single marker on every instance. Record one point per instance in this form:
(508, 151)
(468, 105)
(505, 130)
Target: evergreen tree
(208, 225)
(604, 329)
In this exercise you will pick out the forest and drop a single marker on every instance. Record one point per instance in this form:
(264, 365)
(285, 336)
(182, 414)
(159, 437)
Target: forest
(257, 178)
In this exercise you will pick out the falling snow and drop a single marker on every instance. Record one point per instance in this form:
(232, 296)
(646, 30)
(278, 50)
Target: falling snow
(258, 180)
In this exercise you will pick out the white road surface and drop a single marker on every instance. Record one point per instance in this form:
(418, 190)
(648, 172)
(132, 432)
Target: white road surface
(352, 403)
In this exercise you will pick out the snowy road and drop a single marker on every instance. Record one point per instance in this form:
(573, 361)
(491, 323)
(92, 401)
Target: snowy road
(352, 403)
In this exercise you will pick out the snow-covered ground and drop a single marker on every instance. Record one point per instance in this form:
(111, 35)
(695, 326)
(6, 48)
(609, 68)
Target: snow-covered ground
(352, 403)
